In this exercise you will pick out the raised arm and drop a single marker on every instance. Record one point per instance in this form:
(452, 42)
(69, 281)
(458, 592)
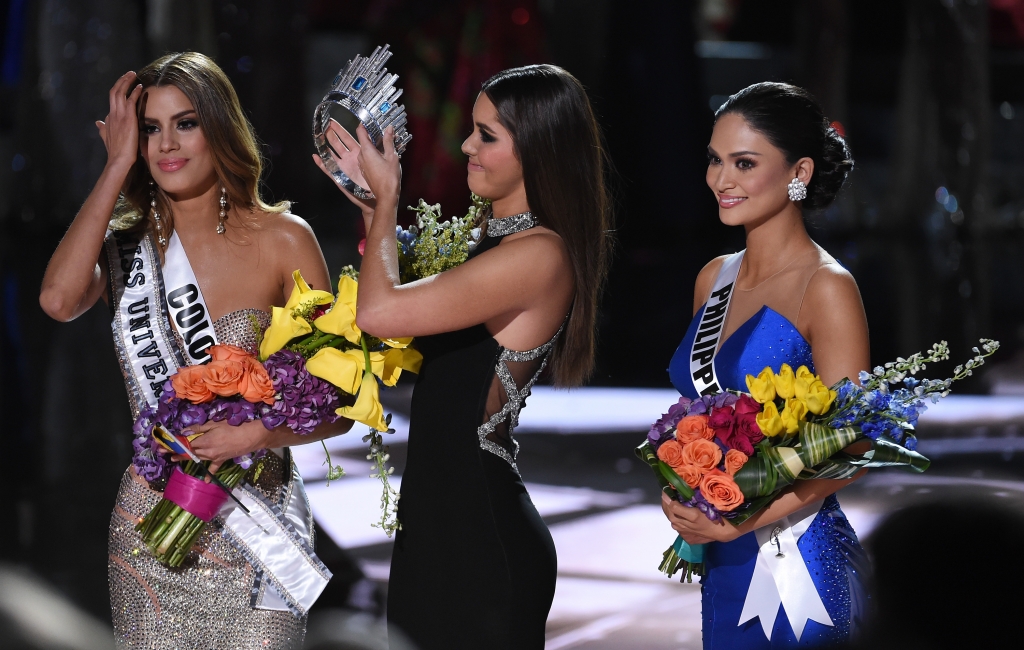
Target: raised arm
(75, 278)
(457, 298)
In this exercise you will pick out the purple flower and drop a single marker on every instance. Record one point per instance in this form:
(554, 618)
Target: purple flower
(233, 409)
(148, 462)
(661, 430)
(700, 503)
(303, 401)
(192, 415)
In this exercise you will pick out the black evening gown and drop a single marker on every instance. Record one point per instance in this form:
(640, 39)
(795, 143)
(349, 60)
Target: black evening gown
(473, 565)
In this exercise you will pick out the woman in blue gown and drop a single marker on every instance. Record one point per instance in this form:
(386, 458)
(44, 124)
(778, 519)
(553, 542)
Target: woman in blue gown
(772, 155)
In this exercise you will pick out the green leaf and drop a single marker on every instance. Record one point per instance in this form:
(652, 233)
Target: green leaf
(818, 442)
(680, 486)
(757, 477)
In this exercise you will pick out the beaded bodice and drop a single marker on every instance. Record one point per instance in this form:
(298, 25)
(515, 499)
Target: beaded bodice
(239, 328)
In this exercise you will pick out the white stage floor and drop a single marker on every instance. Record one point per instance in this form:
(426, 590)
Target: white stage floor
(609, 541)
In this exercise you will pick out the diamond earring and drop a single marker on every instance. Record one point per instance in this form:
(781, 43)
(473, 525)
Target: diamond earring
(797, 190)
(156, 215)
(223, 210)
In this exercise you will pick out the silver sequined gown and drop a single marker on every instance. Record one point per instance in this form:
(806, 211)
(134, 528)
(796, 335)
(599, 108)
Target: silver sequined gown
(205, 603)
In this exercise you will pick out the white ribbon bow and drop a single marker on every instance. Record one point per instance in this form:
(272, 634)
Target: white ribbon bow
(781, 577)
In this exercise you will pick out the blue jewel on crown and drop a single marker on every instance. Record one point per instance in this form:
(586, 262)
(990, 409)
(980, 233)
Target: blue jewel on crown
(365, 89)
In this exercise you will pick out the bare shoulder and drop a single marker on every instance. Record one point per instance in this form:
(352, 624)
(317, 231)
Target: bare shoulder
(705, 280)
(831, 287)
(291, 244)
(541, 249)
(285, 228)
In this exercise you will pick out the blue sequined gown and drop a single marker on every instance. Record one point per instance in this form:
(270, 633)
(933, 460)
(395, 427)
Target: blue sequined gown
(829, 547)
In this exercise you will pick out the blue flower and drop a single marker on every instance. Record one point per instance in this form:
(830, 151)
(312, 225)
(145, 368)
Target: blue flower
(910, 443)
(872, 429)
(877, 400)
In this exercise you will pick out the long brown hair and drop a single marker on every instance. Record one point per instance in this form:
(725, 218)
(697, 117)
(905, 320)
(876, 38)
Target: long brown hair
(558, 142)
(236, 154)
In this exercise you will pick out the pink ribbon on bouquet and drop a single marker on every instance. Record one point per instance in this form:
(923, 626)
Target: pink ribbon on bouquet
(194, 495)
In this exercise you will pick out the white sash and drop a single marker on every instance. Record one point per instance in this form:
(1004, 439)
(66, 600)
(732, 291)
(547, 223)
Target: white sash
(709, 332)
(781, 576)
(288, 574)
(142, 335)
(186, 304)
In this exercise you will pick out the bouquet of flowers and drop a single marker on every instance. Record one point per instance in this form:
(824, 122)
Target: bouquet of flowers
(315, 366)
(431, 245)
(732, 453)
(313, 361)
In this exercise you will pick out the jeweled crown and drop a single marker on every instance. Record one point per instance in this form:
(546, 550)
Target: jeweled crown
(365, 89)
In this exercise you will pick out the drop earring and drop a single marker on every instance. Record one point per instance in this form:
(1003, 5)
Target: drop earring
(797, 190)
(223, 210)
(156, 215)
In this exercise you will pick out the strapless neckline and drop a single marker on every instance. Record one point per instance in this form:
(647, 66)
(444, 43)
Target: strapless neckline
(238, 312)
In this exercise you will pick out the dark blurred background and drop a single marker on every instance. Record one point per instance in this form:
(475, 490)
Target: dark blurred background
(930, 94)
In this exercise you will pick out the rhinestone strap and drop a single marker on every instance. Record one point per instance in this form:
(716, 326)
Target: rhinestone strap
(510, 225)
(516, 398)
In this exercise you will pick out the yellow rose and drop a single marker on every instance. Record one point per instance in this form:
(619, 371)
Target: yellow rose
(344, 369)
(402, 342)
(302, 294)
(818, 398)
(784, 381)
(794, 412)
(762, 388)
(367, 409)
(769, 420)
(284, 326)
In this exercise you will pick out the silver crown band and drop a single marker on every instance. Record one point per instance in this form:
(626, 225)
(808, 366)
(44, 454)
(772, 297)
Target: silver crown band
(510, 225)
(365, 89)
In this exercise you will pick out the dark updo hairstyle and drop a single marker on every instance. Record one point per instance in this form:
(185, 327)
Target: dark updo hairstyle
(792, 120)
(558, 142)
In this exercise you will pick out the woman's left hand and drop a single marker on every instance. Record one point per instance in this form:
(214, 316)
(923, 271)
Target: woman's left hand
(221, 442)
(694, 526)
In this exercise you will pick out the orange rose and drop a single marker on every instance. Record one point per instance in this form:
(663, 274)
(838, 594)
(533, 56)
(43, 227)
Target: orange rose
(693, 427)
(721, 491)
(703, 454)
(225, 352)
(671, 453)
(222, 377)
(189, 384)
(691, 474)
(734, 460)
(255, 385)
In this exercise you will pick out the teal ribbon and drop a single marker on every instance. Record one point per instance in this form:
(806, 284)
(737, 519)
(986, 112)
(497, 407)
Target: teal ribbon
(690, 553)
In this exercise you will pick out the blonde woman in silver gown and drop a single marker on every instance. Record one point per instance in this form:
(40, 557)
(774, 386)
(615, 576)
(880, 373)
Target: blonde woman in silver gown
(184, 161)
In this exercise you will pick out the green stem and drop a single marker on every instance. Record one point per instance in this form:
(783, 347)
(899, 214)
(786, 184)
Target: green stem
(172, 533)
(366, 352)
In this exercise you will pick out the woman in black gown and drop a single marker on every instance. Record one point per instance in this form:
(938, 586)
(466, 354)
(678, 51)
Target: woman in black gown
(474, 564)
